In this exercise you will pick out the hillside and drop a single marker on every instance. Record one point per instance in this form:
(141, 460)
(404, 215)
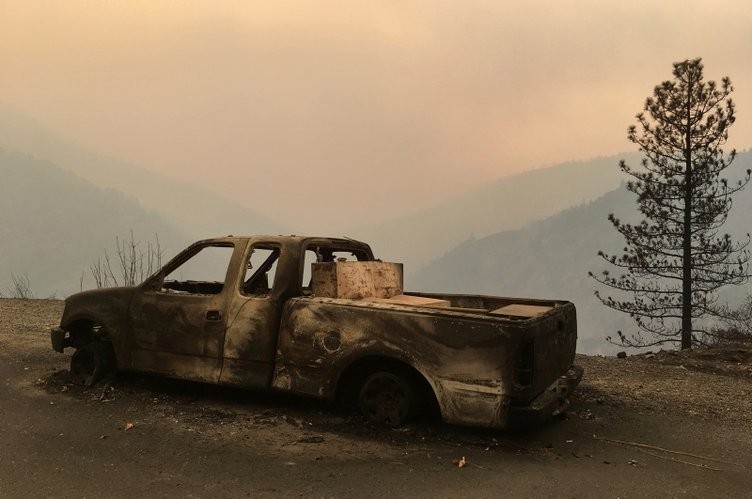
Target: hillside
(194, 209)
(551, 258)
(54, 225)
(507, 204)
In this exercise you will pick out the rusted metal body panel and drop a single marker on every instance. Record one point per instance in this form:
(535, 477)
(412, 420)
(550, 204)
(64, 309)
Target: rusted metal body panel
(468, 358)
(103, 309)
(258, 325)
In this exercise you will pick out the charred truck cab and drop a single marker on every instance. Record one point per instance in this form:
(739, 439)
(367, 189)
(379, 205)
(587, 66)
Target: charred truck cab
(321, 317)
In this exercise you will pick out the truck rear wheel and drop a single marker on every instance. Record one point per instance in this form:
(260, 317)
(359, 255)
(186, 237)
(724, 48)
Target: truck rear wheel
(388, 398)
(92, 361)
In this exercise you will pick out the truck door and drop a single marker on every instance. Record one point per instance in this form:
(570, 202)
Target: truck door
(179, 318)
(253, 319)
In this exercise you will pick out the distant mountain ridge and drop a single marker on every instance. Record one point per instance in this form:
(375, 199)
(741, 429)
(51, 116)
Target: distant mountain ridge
(192, 208)
(414, 239)
(506, 204)
(54, 225)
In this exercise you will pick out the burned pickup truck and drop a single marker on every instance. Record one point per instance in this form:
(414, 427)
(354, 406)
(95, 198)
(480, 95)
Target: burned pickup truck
(321, 317)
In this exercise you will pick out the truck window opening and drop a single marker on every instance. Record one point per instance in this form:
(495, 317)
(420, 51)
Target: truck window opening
(203, 273)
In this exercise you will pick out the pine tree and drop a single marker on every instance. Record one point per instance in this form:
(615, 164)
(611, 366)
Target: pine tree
(676, 258)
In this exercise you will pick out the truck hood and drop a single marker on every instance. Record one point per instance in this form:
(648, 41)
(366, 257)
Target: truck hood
(102, 305)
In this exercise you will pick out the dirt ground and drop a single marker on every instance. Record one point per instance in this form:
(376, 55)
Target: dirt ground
(651, 425)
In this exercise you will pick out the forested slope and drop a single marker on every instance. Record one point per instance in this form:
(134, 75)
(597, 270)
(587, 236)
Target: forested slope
(54, 225)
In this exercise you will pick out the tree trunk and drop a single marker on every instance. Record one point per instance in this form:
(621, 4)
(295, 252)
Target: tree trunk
(686, 334)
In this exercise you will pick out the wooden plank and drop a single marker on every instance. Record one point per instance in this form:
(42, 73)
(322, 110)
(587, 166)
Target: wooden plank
(520, 310)
(414, 301)
(356, 280)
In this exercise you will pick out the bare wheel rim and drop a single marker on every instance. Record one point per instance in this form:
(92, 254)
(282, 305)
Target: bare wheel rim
(90, 362)
(386, 399)
(83, 361)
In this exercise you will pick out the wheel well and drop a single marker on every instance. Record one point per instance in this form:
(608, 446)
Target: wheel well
(353, 376)
(83, 331)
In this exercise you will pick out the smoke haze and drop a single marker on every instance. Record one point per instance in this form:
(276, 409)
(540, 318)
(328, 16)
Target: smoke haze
(326, 115)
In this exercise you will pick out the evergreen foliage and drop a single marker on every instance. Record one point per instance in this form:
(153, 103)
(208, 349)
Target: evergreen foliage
(676, 259)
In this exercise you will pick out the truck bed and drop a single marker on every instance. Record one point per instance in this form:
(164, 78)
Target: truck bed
(478, 361)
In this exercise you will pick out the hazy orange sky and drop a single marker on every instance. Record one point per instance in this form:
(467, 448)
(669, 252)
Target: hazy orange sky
(357, 111)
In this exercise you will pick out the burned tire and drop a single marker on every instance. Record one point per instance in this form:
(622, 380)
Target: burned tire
(388, 398)
(92, 361)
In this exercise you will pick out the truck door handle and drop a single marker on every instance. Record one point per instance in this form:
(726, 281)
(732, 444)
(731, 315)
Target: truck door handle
(213, 315)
